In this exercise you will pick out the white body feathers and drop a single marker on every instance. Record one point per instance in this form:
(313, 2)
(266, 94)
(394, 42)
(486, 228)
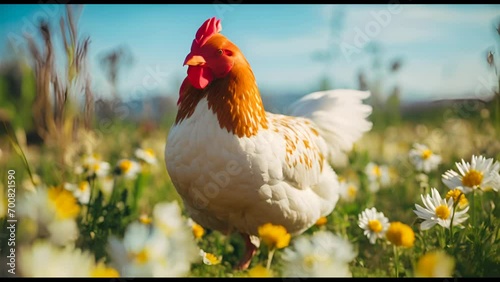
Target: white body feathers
(280, 175)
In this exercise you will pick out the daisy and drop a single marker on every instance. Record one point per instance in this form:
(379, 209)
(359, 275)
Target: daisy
(92, 165)
(378, 176)
(128, 168)
(198, 230)
(142, 251)
(80, 191)
(209, 258)
(374, 223)
(348, 190)
(147, 155)
(439, 211)
(400, 234)
(53, 211)
(164, 247)
(481, 173)
(43, 259)
(423, 158)
(322, 254)
(435, 264)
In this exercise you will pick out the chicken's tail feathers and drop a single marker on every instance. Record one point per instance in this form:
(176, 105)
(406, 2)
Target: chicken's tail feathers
(340, 115)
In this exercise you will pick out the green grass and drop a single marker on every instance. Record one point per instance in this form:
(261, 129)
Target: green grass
(475, 248)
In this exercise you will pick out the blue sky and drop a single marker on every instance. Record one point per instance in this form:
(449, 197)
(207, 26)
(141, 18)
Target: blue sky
(443, 47)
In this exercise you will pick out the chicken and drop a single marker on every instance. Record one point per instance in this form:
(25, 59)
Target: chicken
(236, 166)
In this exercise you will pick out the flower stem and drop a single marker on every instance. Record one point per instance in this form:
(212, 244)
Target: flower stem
(396, 260)
(472, 207)
(270, 258)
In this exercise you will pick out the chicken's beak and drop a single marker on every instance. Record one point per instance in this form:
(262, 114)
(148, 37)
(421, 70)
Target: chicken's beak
(194, 60)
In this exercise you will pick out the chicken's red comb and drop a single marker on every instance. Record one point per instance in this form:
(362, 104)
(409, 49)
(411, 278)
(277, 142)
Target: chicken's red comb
(206, 30)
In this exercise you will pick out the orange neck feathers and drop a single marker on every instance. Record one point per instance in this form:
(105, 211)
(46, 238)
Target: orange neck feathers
(235, 99)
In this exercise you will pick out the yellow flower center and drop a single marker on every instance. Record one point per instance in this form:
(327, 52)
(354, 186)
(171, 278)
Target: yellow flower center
(149, 152)
(274, 236)
(103, 271)
(321, 221)
(96, 166)
(458, 196)
(426, 154)
(472, 178)
(352, 191)
(198, 231)
(145, 219)
(309, 261)
(443, 212)
(141, 257)
(65, 203)
(376, 171)
(125, 165)
(212, 258)
(84, 185)
(375, 225)
(400, 234)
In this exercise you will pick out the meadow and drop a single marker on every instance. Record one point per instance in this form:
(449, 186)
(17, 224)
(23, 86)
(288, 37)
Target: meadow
(84, 194)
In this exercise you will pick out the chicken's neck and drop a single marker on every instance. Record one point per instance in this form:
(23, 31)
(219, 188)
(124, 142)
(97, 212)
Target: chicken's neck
(235, 100)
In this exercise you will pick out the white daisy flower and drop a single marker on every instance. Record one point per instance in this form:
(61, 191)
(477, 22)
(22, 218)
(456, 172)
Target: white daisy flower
(43, 259)
(146, 155)
(107, 184)
(321, 255)
(438, 211)
(147, 250)
(374, 223)
(481, 173)
(53, 211)
(80, 191)
(141, 253)
(423, 158)
(378, 176)
(209, 258)
(348, 190)
(128, 168)
(92, 165)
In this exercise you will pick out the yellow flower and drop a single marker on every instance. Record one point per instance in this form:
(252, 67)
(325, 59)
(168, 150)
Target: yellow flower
(145, 219)
(400, 234)
(274, 236)
(456, 194)
(259, 271)
(435, 264)
(198, 231)
(209, 258)
(321, 221)
(101, 270)
(66, 205)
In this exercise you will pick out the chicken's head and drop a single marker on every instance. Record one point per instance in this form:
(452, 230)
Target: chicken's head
(212, 55)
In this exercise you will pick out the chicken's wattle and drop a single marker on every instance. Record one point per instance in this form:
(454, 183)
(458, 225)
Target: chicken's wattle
(199, 76)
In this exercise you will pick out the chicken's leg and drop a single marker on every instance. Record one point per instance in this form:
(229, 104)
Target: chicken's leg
(252, 243)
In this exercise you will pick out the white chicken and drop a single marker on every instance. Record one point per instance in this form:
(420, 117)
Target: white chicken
(237, 166)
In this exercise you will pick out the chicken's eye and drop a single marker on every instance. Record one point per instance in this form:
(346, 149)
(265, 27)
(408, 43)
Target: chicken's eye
(220, 51)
